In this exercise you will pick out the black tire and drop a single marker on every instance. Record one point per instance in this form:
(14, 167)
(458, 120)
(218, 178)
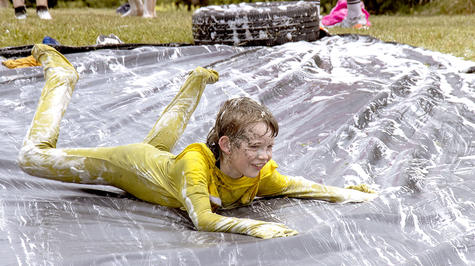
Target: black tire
(260, 23)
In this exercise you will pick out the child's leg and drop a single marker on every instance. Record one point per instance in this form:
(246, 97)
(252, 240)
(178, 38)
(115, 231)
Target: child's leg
(132, 167)
(127, 167)
(39, 155)
(61, 78)
(174, 118)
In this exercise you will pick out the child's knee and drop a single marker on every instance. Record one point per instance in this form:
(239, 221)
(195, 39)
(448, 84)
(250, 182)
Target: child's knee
(27, 157)
(43, 162)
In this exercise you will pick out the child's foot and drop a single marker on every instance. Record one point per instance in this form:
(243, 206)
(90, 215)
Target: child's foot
(54, 63)
(20, 12)
(210, 75)
(49, 57)
(42, 12)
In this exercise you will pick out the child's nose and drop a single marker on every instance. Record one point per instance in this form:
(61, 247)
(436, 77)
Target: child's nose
(264, 154)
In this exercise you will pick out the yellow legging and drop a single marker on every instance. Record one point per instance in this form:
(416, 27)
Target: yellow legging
(126, 166)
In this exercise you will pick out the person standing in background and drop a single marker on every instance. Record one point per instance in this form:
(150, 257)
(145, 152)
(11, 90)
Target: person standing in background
(41, 9)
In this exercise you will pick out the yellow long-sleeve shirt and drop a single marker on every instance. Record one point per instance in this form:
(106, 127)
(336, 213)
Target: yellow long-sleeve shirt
(201, 187)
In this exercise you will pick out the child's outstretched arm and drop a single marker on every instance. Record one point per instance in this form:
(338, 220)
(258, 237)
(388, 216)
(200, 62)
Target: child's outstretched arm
(276, 184)
(195, 197)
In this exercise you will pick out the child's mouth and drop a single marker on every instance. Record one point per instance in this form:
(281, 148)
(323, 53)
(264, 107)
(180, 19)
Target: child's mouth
(258, 166)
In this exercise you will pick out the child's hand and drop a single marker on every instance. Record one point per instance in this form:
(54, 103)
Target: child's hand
(369, 196)
(271, 230)
(361, 193)
(210, 75)
(362, 188)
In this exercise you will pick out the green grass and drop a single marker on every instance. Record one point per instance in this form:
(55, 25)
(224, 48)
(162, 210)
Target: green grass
(80, 27)
(447, 34)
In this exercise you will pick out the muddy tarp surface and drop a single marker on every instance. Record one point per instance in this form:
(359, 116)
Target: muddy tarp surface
(352, 110)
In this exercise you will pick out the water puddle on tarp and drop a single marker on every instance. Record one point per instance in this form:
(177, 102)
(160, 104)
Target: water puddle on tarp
(352, 110)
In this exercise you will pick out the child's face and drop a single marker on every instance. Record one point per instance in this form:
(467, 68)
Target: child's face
(253, 152)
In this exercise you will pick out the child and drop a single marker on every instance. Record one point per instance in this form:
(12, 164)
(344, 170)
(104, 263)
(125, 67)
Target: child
(230, 170)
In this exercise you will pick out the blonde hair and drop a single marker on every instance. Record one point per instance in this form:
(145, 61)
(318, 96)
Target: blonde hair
(234, 117)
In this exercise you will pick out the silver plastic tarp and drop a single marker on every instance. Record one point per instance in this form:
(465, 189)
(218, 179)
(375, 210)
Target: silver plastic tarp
(352, 110)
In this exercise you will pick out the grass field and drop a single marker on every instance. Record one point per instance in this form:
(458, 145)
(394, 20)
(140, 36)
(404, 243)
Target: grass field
(80, 27)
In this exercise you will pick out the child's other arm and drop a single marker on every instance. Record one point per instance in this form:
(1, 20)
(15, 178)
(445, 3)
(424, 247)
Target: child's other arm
(195, 197)
(276, 184)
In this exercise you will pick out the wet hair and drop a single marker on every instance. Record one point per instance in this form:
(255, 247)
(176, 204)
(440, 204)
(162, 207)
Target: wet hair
(234, 118)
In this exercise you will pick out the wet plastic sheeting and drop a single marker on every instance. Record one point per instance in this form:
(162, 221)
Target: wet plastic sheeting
(351, 109)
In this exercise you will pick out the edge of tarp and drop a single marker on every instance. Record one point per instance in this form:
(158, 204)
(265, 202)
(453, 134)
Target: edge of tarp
(25, 50)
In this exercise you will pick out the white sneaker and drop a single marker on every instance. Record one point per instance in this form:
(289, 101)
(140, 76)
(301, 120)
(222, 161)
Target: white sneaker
(43, 12)
(110, 39)
(354, 22)
(20, 12)
(20, 16)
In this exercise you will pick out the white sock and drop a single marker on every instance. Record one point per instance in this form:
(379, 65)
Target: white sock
(354, 8)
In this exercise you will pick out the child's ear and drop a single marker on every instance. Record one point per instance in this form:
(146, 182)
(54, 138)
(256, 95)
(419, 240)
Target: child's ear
(225, 144)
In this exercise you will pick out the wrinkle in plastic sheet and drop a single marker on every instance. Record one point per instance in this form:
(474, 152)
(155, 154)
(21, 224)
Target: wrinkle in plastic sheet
(351, 109)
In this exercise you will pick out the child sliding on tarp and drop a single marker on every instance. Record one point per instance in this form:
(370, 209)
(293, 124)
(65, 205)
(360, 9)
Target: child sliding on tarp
(230, 170)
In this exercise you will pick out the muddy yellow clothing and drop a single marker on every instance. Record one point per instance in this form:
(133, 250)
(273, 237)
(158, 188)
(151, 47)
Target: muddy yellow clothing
(148, 170)
(205, 187)
(197, 166)
(28, 61)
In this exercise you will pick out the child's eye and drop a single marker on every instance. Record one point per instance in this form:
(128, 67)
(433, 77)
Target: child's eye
(253, 145)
